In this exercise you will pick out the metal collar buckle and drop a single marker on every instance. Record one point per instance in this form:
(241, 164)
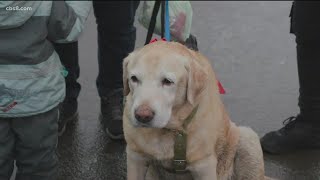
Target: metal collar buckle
(180, 165)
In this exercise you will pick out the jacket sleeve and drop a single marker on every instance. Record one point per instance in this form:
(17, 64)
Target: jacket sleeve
(67, 20)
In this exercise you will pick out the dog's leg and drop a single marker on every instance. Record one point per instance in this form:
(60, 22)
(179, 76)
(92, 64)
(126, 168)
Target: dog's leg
(248, 162)
(136, 165)
(204, 169)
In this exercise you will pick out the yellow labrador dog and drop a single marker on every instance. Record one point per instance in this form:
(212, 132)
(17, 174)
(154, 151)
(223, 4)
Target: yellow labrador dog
(171, 89)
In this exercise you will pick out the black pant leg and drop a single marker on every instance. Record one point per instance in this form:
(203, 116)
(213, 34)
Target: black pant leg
(35, 146)
(7, 142)
(69, 57)
(116, 39)
(306, 27)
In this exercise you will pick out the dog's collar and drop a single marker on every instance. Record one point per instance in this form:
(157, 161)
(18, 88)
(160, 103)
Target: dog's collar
(180, 144)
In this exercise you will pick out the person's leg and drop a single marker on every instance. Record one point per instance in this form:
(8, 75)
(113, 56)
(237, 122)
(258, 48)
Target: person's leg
(7, 143)
(307, 33)
(302, 131)
(116, 39)
(69, 57)
(37, 138)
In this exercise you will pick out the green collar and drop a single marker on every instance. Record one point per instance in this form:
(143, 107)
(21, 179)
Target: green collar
(180, 145)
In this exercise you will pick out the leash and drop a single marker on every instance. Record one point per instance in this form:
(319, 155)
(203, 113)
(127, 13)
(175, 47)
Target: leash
(165, 21)
(162, 18)
(153, 20)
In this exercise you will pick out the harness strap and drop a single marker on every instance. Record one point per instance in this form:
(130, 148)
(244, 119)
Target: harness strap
(190, 117)
(180, 154)
(180, 145)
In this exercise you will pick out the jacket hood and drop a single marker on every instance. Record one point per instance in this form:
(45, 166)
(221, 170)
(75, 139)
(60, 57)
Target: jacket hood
(15, 13)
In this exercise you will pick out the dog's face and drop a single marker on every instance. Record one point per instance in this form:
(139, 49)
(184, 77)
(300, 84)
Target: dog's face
(158, 80)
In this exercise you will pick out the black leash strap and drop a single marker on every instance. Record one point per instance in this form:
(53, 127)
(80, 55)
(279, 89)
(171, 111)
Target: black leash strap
(153, 20)
(163, 7)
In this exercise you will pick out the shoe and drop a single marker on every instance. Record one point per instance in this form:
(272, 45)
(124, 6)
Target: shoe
(68, 113)
(297, 134)
(111, 114)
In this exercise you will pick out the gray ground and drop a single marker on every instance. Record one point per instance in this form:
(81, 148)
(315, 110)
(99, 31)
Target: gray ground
(255, 59)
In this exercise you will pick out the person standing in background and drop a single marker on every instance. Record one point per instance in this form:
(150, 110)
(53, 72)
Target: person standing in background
(116, 39)
(302, 131)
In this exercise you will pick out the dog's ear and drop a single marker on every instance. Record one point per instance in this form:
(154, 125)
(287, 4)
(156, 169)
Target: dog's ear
(125, 79)
(197, 80)
(126, 88)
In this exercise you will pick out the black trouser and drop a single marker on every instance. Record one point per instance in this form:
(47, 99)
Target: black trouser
(69, 57)
(32, 142)
(305, 24)
(116, 39)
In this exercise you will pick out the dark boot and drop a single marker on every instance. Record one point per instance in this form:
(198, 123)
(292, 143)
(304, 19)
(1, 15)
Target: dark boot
(111, 114)
(303, 131)
(297, 134)
(68, 112)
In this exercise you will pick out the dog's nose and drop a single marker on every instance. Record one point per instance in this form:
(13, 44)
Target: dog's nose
(144, 114)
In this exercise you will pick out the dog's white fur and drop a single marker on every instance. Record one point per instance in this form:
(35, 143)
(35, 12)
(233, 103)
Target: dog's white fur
(216, 148)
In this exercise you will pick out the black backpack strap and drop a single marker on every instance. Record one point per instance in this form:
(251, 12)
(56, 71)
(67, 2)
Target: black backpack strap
(153, 21)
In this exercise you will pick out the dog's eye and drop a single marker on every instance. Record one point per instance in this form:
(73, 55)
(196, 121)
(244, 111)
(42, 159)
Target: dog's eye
(134, 79)
(166, 82)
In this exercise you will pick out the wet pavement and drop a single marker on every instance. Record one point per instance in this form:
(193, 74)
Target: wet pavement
(253, 55)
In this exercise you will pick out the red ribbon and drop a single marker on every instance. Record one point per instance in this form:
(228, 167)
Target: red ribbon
(155, 39)
(221, 89)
